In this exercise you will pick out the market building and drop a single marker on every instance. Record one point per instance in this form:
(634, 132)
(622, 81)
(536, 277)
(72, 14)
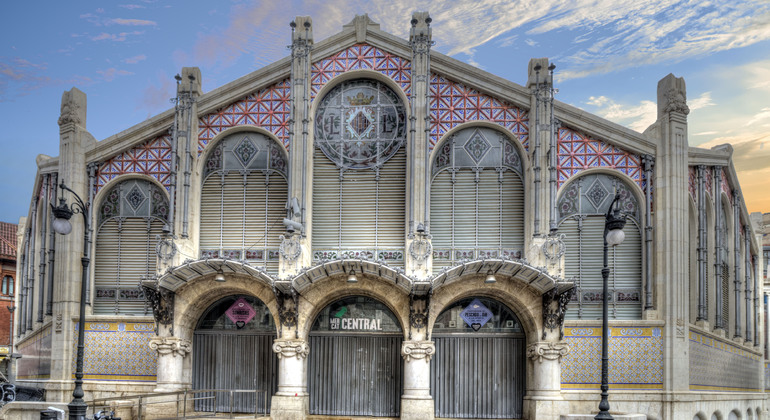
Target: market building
(370, 228)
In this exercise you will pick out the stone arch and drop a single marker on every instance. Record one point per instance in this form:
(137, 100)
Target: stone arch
(700, 415)
(195, 290)
(328, 282)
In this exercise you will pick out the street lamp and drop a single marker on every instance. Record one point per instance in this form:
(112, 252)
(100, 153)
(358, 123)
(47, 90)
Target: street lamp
(615, 220)
(61, 224)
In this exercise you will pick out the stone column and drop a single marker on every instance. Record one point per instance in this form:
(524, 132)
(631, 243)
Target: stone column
(543, 399)
(171, 354)
(291, 402)
(416, 402)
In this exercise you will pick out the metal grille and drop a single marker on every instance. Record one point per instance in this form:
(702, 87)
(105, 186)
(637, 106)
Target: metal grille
(124, 254)
(725, 296)
(360, 209)
(478, 376)
(355, 375)
(233, 360)
(241, 216)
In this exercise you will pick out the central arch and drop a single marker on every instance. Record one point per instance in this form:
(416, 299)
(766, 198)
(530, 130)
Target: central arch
(355, 366)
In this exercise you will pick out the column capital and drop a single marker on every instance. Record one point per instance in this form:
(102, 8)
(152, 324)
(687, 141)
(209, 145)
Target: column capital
(174, 346)
(287, 348)
(547, 350)
(418, 349)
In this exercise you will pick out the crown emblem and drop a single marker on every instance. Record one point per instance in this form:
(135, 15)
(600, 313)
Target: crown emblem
(360, 99)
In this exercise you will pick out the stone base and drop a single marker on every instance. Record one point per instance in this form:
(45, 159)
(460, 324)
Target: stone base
(412, 409)
(614, 416)
(289, 407)
(545, 408)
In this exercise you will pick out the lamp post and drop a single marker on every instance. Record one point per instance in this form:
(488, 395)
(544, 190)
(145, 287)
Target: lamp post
(614, 222)
(61, 224)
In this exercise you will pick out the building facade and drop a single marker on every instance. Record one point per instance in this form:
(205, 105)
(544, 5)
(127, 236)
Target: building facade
(371, 228)
(8, 251)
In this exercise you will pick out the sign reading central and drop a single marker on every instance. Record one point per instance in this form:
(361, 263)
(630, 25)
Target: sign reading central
(476, 315)
(240, 312)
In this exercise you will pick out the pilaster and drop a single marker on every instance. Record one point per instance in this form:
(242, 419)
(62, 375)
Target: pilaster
(189, 88)
(419, 257)
(73, 143)
(296, 243)
(671, 215)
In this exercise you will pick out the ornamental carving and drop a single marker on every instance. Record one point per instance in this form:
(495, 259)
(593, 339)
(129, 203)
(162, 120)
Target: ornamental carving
(70, 110)
(291, 348)
(162, 303)
(418, 350)
(547, 350)
(676, 102)
(290, 248)
(173, 346)
(554, 308)
(288, 307)
(418, 311)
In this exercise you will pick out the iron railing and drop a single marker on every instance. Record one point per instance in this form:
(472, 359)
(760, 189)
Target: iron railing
(183, 401)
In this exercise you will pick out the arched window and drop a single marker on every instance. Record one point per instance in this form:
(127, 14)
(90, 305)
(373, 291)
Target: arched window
(129, 219)
(243, 200)
(476, 198)
(582, 207)
(359, 174)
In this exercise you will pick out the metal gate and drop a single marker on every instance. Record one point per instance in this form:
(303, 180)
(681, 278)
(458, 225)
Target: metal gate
(230, 356)
(478, 370)
(352, 372)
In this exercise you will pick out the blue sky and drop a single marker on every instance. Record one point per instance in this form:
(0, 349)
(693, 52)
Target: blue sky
(609, 56)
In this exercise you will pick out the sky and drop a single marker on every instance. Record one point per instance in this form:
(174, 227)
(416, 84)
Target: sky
(609, 56)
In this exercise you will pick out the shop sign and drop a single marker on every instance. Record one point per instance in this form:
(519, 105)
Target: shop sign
(241, 312)
(476, 315)
(338, 322)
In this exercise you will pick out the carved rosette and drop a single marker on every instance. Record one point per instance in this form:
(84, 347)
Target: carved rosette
(291, 348)
(547, 350)
(418, 350)
(174, 346)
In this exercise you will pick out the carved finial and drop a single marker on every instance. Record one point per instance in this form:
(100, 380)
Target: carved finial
(672, 95)
(73, 108)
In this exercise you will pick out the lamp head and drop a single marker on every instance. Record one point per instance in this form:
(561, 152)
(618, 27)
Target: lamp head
(490, 277)
(352, 276)
(62, 215)
(220, 277)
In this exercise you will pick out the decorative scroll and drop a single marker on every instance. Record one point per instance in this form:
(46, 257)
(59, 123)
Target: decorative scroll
(162, 302)
(174, 346)
(418, 350)
(547, 350)
(288, 313)
(291, 348)
(554, 308)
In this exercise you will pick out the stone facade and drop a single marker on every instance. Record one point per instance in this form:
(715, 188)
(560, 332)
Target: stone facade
(420, 202)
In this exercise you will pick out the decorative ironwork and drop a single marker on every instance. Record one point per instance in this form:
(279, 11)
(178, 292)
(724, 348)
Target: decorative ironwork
(288, 314)
(152, 158)
(360, 124)
(162, 302)
(166, 248)
(554, 308)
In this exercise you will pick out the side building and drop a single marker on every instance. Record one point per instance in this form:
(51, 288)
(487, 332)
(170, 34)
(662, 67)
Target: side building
(368, 227)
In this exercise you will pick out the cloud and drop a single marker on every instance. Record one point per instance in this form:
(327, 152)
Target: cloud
(133, 22)
(155, 97)
(19, 76)
(135, 59)
(131, 6)
(110, 74)
(764, 114)
(120, 37)
(641, 115)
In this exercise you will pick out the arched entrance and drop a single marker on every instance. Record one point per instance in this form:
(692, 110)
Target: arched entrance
(478, 368)
(355, 366)
(232, 349)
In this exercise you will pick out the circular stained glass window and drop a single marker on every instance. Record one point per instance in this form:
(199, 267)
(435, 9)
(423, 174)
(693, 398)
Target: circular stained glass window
(360, 124)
